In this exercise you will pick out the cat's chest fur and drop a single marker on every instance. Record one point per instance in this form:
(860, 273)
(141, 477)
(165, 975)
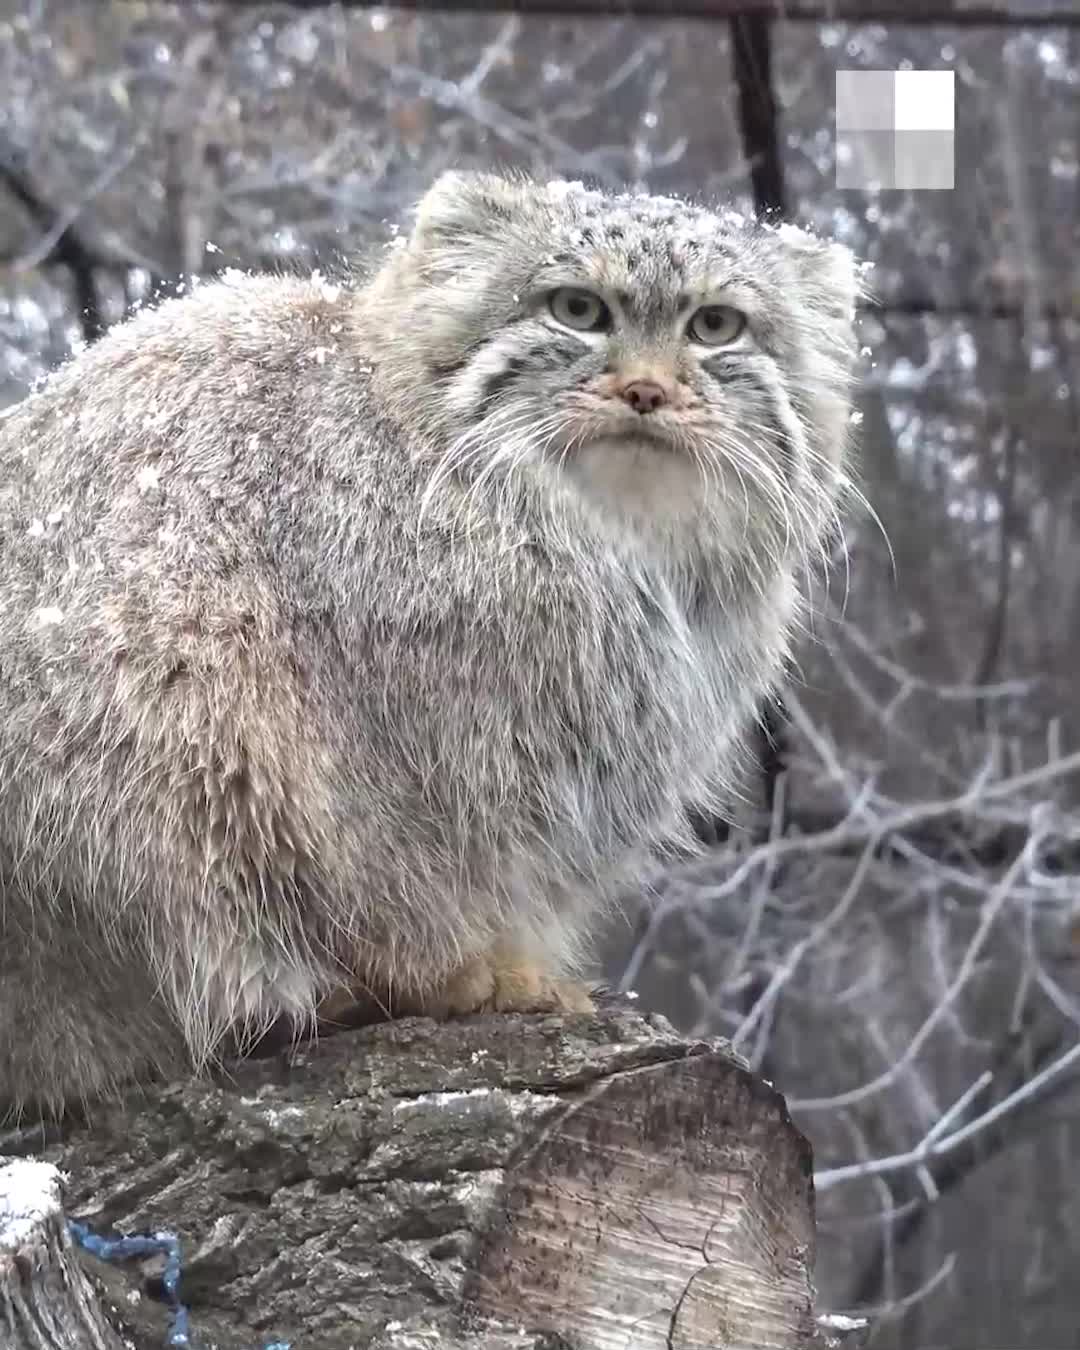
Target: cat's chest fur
(655, 681)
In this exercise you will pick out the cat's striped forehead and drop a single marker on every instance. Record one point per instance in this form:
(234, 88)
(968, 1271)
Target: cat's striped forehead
(644, 238)
(640, 210)
(651, 257)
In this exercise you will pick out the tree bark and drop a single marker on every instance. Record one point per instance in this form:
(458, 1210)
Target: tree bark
(494, 1183)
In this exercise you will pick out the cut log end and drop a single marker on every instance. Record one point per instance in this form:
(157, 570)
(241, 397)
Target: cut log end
(670, 1206)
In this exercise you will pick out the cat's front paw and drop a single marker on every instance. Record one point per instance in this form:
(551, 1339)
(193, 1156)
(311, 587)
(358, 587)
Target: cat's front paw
(506, 979)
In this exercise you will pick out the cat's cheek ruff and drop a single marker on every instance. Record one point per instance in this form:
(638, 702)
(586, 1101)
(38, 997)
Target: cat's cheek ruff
(474, 388)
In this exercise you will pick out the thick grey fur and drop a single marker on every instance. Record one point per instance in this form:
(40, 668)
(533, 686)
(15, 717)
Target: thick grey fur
(348, 631)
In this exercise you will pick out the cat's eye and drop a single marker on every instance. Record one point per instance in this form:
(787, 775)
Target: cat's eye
(575, 308)
(716, 325)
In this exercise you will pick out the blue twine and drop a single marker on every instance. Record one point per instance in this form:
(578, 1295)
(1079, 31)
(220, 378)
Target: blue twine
(123, 1248)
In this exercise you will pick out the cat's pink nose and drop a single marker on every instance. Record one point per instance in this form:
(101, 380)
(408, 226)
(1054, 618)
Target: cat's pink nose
(644, 396)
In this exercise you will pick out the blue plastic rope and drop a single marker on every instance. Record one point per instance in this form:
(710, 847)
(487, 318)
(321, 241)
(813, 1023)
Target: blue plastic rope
(124, 1248)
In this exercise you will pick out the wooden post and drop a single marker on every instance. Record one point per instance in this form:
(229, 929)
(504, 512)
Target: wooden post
(495, 1183)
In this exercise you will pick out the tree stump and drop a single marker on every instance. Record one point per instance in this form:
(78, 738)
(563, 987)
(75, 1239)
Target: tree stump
(45, 1298)
(494, 1183)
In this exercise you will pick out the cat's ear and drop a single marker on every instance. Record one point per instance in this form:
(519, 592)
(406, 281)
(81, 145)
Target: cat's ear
(460, 206)
(828, 273)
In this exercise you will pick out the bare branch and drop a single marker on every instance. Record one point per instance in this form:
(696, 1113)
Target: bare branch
(933, 1146)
